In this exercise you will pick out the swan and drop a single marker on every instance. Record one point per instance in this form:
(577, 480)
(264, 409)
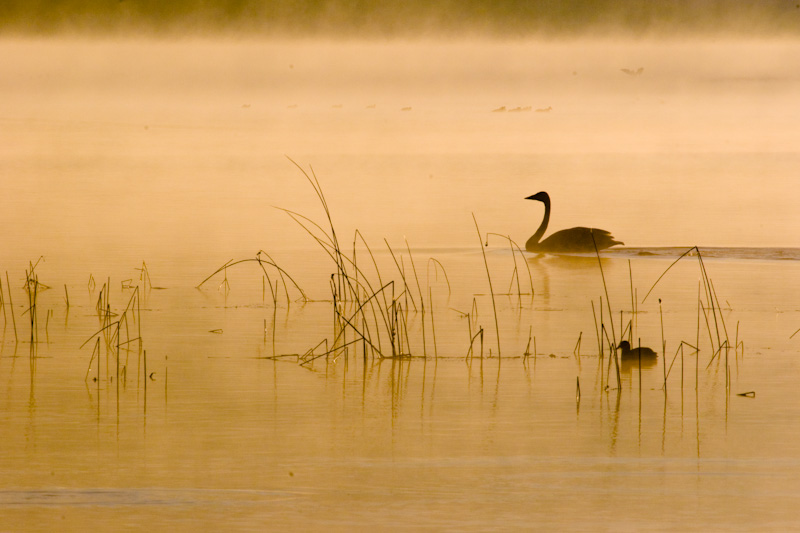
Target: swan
(568, 240)
(646, 353)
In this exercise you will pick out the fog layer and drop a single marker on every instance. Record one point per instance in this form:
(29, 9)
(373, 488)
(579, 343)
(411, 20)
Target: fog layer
(416, 17)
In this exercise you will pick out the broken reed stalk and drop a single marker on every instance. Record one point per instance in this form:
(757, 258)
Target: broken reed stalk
(602, 326)
(725, 331)
(679, 350)
(515, 249)
(144, 359)
(721, 317)
(469, 333)
(697, 342)
(612, 356)
(282, 274)
(364, 285)
(404, 317)
(3, 304)
(597, 333)
(491, 289)
(421, 299)
(402, 273)
(682, 366)
(472, 339)
(528, 346)
(11, 307)
(714, 355)
(710, 296)
(708, 327)
(436, 263)
(95, 353)
(631, 334)
(47, 325)
(274, 313)
(640, 371)
(144, 276)
(610, 314)
(663, 344)
(433, 325)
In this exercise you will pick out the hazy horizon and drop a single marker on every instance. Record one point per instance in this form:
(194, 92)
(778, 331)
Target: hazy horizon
(338, 18)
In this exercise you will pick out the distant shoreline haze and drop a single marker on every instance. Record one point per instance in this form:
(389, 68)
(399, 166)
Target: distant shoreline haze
(499, 18)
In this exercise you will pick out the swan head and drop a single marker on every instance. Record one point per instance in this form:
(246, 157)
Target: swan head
(540, 196)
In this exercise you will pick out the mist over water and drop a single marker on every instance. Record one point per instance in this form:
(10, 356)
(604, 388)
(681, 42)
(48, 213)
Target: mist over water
(503, 18)
(698, 149)
(137, 132)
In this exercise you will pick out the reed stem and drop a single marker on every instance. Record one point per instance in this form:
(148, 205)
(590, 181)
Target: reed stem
(491, 290)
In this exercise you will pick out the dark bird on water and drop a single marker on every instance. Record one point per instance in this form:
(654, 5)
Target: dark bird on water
(567, 240)
(627, 352)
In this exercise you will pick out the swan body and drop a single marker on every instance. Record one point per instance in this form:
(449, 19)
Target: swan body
(627, 352)
(568, 240)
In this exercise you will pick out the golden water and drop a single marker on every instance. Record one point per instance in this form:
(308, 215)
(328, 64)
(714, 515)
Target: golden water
(115, 152)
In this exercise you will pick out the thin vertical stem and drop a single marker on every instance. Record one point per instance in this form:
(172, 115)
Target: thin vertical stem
(491, 290)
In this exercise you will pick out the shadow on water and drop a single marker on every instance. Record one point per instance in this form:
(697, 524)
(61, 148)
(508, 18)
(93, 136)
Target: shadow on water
(567, 261)
(632, 363)
(547, 266)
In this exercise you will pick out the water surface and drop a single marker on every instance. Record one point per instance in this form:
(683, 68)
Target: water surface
(174, 153)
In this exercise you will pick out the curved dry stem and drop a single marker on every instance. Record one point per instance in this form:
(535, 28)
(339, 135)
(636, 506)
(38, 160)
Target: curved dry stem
(684, 254)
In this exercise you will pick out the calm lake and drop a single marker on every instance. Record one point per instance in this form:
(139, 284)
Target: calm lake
(425, 373)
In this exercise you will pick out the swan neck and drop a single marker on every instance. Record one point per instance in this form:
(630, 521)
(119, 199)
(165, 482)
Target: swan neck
(536, 237)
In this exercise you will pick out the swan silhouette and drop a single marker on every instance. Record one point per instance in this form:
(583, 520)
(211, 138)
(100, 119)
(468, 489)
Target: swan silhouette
(626, 351)
(567, 240)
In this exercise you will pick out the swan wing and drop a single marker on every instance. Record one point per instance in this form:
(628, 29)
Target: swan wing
(577, 239)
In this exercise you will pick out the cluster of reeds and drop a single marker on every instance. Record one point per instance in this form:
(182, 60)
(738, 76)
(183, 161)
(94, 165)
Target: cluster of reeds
(32, 288)
(373, 314)
(370, 313)
(708, 306)
(10, 308)
(119, 334)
